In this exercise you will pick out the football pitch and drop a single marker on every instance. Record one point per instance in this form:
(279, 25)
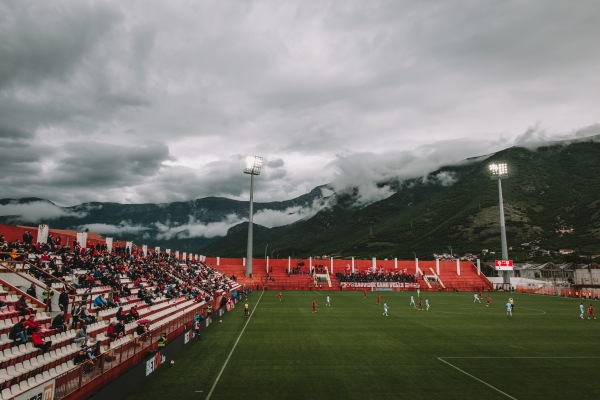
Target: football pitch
(456, 350)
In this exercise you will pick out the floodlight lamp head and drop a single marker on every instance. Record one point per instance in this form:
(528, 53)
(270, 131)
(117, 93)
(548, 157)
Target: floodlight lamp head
(253, 165)
(498, 170)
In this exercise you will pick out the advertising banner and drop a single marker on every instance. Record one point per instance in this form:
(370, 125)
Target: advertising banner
(45, 391)
(392, 285)
(503, 265)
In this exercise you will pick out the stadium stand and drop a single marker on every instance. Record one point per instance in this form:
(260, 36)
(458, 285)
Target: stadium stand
(167, 294)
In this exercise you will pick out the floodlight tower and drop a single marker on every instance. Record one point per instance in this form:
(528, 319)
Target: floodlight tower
(499, 171)
(253, 165)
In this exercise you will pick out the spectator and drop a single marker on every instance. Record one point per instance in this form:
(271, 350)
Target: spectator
(97, 349)
(85, 316)
(47, 295)
(120, 315)
(40, 342)
(109, 300)
(58, 323)
(197, 328)
(117, 300)
(14, 255)
(80, 357)
(31, 325)
(23, 307)
(100, 303)
(63, 300)
(32, 291)
(94, 353)
(90, 282)
(27, 237)
(18, 332)
(85, 294)
(142, 331)
(143, 295)
(162, 342)
(120, 329)
(76, 315)
(81, 337)
(111, 332)
(133, 315)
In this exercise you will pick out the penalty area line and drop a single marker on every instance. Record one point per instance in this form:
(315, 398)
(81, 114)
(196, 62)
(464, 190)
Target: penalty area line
(524, 357)
(233, 349)
(477, 379)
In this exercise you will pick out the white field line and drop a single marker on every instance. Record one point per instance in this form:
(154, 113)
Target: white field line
(477, 379)
(494, 358)
(524, 357)
(233, 349)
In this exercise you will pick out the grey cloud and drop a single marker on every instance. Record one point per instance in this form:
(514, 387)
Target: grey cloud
(533, 134)
(197, 229)
(443, 178)
(277, 163)
(8, 134)
(123, 228)
(98, 165)
(268, 218)
(273, 218)
(537, 135)
(365, 170)
(20, 163)
(177, 183)
(38, 211)
(592, 130)
(48, 40)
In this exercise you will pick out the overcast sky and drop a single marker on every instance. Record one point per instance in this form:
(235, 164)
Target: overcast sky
(160, 101)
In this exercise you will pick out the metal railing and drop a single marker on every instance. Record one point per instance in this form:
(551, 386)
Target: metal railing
(26, 274)
(89, 377)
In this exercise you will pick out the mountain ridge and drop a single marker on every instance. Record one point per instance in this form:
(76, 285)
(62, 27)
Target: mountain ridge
(549, 199)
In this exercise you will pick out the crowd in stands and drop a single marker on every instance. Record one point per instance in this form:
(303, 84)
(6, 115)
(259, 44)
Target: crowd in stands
(297, 270)
(379, 276)
(100, 297)
(319, 269)
(150, 277)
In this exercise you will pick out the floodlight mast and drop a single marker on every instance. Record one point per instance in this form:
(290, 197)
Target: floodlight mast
(499, 171)
(253, 165)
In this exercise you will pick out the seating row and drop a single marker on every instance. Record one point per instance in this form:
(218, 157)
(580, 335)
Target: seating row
(38, 379)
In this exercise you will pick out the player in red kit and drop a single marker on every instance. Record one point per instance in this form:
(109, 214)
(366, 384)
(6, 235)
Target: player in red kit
(280, 296)
(314, 306)
(378, 299)
(365, 293)
(487, 301)
(591, 312)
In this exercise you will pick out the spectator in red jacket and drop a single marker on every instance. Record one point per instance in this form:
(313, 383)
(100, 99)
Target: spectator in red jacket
(133, 315)
(40, 342)
(110, 331)
(31, 325)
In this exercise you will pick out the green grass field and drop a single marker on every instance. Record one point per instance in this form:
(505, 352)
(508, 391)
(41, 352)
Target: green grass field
(457, 350)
